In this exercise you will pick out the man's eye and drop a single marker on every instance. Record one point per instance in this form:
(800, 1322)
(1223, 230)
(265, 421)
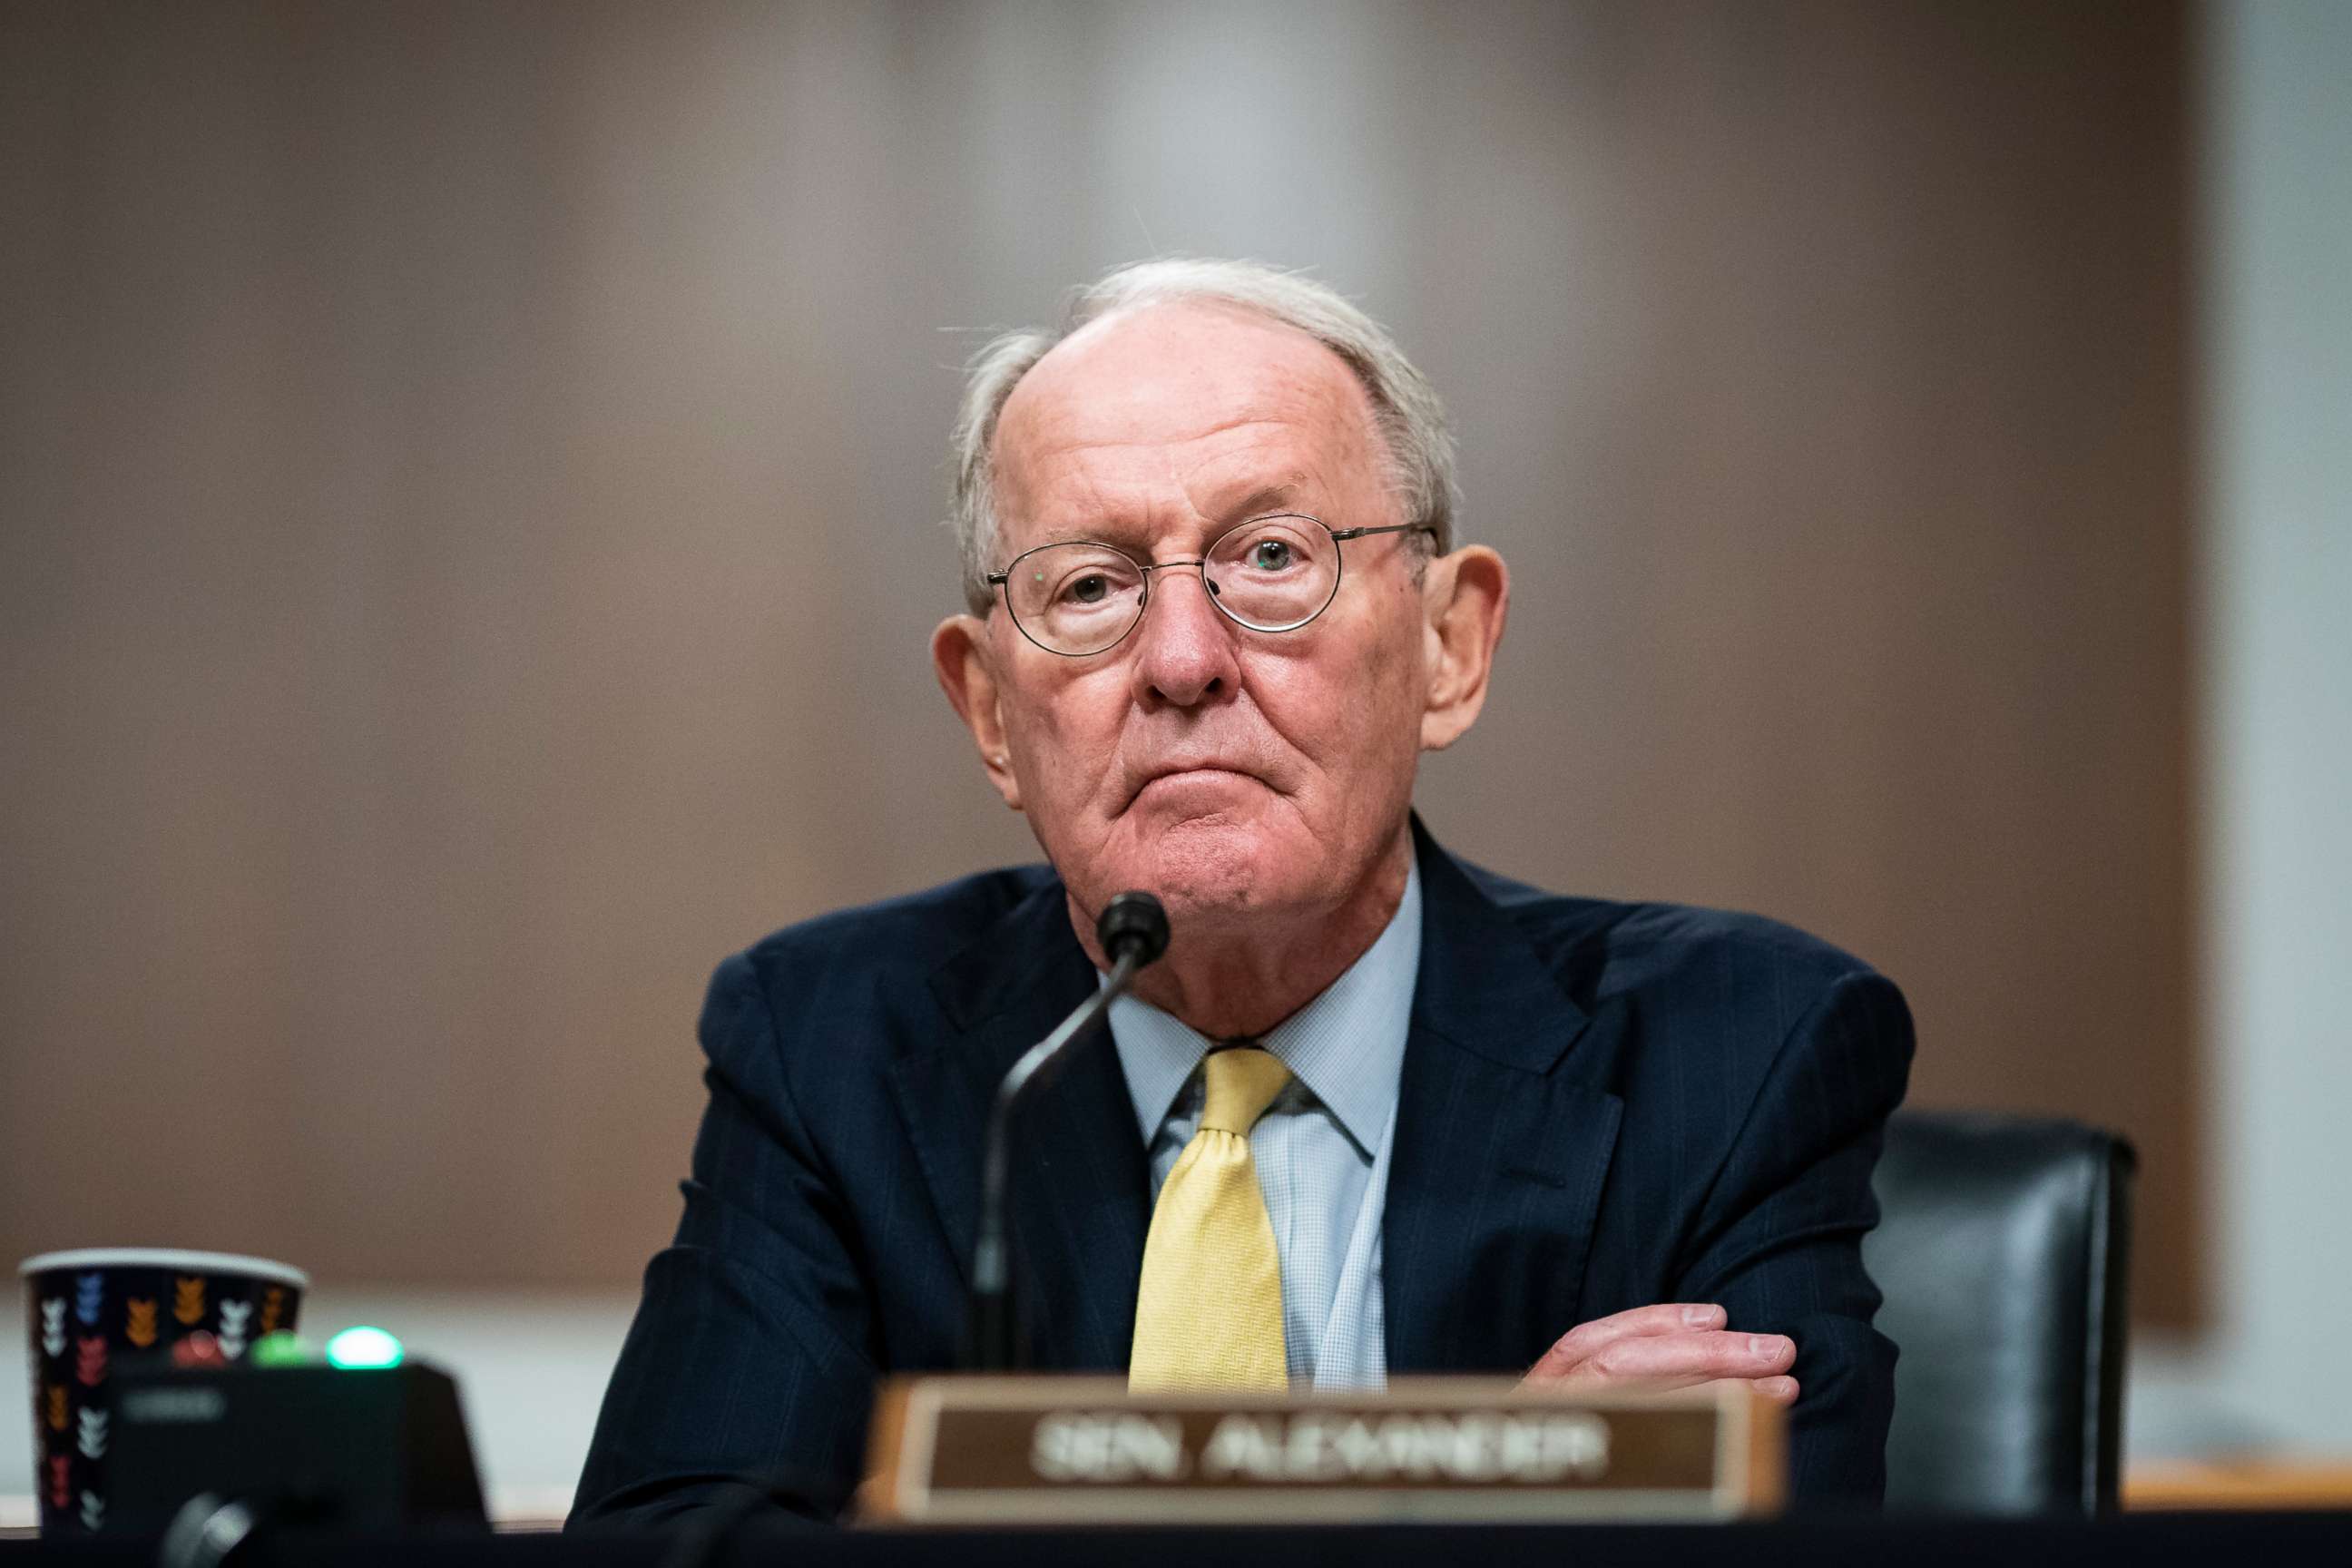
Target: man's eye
(1092, 589)
(1270, 555)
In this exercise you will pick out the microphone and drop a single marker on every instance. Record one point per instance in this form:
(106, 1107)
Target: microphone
(1133, 931)
(1133, 923)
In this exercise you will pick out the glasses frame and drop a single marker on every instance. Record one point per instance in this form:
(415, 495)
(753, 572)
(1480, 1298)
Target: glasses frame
(1200, 564)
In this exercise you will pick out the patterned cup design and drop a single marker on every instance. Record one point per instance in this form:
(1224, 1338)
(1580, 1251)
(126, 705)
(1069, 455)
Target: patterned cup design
(92, 1311)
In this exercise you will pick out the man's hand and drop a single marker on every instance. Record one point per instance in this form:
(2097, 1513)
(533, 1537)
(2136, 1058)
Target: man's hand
(1674, 1345)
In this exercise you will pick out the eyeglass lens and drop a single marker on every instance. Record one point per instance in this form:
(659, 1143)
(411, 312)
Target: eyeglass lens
(1270, 574)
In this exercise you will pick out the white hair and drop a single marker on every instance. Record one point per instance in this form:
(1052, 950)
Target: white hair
(1405, 408)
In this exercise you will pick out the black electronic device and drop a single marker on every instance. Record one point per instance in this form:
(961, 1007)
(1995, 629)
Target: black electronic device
(379, 1449)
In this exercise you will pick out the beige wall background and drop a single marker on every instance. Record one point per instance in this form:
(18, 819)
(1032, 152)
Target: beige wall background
(468, 490)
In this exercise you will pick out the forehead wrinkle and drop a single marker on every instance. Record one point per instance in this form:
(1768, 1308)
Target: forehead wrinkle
(1211, 486)
(1037, 451)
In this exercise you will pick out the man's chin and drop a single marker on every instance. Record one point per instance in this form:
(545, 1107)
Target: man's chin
(1210, 865)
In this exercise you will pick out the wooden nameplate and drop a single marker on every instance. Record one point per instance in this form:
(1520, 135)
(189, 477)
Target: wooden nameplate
(967, 1450)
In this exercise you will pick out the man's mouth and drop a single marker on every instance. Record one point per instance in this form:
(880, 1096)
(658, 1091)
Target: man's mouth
(1195, 774)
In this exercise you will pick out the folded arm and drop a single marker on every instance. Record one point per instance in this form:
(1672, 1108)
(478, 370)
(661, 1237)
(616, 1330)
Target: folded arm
(1771, 1290)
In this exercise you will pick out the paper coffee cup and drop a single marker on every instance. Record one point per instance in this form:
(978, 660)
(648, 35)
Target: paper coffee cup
(92, 1309)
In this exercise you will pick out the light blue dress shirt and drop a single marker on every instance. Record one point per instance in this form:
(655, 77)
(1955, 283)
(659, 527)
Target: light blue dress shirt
(1322, 1148)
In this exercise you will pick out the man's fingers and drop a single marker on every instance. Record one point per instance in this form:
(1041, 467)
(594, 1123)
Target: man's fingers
(1584, 1341)
(1693, 1355)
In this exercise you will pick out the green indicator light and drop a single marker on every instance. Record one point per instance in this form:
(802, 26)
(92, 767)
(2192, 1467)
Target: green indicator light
(283, 1348)
(363, 1349)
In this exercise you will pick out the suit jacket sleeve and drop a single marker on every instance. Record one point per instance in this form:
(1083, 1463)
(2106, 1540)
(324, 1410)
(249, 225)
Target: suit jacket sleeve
(1779, 1239)
(751, 1352)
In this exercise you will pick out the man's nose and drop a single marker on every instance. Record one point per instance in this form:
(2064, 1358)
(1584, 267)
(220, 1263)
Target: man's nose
(1186, 655)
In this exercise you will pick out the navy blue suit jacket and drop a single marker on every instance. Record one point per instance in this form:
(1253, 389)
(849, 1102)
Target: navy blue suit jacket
(1603, 1105)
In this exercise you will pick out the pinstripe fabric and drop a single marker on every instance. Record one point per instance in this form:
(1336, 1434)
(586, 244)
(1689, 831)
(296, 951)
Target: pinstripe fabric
(1321, 1149)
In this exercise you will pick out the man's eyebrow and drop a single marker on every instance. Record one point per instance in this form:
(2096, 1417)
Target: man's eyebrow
(1258, 503)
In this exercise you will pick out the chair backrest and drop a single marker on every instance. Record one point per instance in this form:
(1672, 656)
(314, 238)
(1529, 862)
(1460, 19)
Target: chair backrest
(2002, 1248)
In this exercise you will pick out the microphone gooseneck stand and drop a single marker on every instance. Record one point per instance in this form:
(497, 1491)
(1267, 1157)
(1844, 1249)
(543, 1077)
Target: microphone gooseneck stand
(1133, 931)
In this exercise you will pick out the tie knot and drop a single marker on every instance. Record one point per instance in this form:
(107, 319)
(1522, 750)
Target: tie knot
(1241, 1082)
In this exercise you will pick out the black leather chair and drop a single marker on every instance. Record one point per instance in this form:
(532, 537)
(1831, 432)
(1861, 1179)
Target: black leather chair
(2002, 1248)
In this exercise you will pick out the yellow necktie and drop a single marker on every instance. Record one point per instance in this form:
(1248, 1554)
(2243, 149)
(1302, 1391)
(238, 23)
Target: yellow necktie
(1208, 1313)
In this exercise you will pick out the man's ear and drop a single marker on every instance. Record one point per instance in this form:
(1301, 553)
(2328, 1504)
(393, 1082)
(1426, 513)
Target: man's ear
(962, 658)
(1466, 597)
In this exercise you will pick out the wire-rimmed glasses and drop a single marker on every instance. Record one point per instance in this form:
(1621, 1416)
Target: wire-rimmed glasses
(1271, 573)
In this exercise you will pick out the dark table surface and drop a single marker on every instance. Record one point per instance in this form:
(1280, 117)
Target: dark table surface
(2207, 1539)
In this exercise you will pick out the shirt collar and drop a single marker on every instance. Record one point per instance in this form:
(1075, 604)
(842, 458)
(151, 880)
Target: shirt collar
(1347, 1046)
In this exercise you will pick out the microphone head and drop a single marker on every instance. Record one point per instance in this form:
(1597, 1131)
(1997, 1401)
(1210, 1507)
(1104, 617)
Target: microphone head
(1133, 923)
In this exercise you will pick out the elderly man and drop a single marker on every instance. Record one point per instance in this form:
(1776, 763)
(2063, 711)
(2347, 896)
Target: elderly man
(1377, 1111)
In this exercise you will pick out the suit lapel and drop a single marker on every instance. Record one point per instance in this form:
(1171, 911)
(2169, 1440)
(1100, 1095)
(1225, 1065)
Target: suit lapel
(1504, 1139)
(1080, 1187)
